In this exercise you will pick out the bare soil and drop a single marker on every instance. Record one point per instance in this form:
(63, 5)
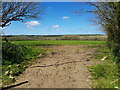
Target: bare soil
(63, 67)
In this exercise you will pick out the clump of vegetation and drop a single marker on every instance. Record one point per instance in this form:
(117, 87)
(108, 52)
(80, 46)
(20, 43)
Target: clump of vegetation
(14, 54)
(105, 75)
(15, 59)
(9, 72)
(116, 52)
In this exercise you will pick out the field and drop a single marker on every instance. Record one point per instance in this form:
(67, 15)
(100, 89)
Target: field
(58, 42)
(57, 37)
(65, 61)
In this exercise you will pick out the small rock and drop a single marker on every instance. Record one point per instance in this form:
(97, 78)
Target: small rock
(104, 58)
(116, 87)
(17, 65)
(9, 66)
(11, 72)
(40, 55)
(6, 73)
(89, 77)
(11, 77)
(87, 80)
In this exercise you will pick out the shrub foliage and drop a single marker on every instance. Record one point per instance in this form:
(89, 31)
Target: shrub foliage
(14, 54)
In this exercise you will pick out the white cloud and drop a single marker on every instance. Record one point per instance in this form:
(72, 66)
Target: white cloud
(2, 28)
(55, 26)
(65, 17)
(31, 24)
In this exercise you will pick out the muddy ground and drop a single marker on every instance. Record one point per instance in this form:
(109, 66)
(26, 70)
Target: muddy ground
(63, 67)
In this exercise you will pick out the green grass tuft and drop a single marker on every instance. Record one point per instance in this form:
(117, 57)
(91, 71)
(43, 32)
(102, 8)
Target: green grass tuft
(105, 74)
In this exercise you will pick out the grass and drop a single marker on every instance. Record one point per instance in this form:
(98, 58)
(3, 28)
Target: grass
(105, 74)
(11, 71)
(58, 42)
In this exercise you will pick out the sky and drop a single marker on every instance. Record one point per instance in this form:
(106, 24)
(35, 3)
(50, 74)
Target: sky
(58, 19)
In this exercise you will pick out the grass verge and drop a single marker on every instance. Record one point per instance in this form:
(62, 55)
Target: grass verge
(105, 74)
(13, 66)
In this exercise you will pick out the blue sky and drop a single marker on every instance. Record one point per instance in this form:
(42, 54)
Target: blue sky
(58, 19)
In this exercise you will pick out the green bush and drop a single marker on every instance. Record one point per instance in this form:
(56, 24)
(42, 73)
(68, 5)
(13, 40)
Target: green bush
(115, 48)
(116, 52)
(16, 58)
(13, 54)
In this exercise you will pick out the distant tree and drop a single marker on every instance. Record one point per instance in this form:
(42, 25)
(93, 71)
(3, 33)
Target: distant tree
(20, 11)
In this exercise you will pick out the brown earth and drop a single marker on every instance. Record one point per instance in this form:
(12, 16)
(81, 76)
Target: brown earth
(63, 67)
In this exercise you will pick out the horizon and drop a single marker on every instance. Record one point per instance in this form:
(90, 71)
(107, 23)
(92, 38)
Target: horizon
(56, 35)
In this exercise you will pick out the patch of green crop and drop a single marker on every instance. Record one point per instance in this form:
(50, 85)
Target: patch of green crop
(58, 42)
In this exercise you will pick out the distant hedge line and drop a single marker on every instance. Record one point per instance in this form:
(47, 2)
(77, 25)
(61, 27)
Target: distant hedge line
(62, 37)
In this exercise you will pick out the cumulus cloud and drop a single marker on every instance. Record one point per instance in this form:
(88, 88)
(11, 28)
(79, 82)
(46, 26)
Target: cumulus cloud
(31, 24)
(55, 26)
(65, 17)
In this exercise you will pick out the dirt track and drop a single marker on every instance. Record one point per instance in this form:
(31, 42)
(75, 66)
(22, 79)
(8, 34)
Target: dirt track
(65, 67)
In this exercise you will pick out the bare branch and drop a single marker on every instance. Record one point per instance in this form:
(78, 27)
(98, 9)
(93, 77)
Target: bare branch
(20, 11)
